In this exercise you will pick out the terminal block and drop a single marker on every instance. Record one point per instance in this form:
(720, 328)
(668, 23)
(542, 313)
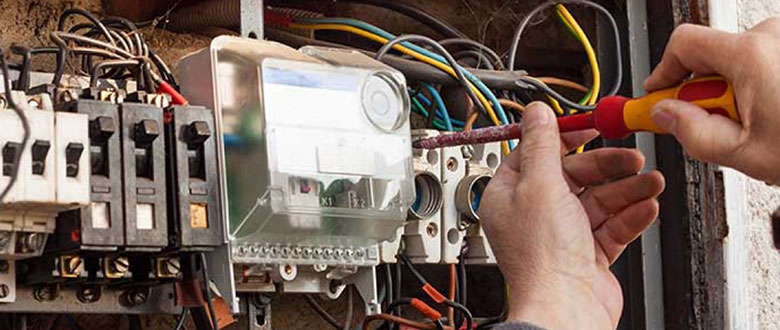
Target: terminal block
(484, 160)
(143, 174)
(422, 235)
(195, 215)
(454, 168)
(99, 225)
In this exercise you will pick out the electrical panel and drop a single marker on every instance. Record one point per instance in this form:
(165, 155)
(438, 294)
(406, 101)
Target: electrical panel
(259, 167)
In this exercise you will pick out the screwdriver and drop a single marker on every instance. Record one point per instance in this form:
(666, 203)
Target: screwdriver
(615, 117)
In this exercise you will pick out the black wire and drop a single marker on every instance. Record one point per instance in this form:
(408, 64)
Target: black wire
(207, 289)
(418, 14)
(323, 313)
(398, 288)
(451, 61)
(464, 310)
(92, 18)
(25, 124)
(54, 323)
(618, 52)
(538, 85)
(182, 318)
(72, 322)
(388, 288)
(350, 308)
(405, 260)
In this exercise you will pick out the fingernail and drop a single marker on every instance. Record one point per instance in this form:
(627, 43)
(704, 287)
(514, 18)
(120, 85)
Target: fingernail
(664, 119)
(535, 115)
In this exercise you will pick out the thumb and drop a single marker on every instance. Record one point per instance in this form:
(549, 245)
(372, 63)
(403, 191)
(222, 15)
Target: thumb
(540, 149)
(705, 136)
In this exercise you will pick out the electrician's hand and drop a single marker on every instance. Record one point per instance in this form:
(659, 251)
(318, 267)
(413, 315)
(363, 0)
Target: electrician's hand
(556, 224)
(751, 61)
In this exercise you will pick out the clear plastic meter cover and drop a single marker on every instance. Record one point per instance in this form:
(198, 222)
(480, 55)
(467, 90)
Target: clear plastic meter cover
(314, 153)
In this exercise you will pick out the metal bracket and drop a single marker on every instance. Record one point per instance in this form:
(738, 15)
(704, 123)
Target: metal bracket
(252, 19)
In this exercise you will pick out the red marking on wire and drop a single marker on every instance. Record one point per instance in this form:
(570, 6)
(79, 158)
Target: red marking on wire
(433, 293)
(176, 98)
(277, 18)
(426, 310)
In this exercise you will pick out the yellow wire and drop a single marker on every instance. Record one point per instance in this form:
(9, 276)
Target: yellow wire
(415, 55)
(594, 64)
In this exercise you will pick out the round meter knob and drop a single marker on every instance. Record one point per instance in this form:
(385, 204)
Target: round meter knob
(384, 102)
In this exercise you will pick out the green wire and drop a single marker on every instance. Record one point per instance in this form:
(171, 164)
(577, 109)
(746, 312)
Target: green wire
(573, 33)
(437, 122)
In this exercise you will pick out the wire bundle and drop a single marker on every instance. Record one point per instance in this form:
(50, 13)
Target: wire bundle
(111, 48)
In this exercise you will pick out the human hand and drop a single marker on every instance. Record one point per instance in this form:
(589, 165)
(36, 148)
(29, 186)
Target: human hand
(556, 224)
(750, 61)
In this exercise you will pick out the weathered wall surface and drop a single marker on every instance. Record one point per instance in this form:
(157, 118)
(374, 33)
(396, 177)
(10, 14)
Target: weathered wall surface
(764, 272)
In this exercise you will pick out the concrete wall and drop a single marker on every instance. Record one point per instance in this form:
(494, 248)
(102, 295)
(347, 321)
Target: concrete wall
(763, 274)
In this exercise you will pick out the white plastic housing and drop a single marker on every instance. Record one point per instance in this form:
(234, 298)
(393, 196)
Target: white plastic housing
(72, 191)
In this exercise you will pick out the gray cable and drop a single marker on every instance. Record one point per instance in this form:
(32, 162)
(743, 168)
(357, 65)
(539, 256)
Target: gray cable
(443, 52)
(524, 23)
(496, 59)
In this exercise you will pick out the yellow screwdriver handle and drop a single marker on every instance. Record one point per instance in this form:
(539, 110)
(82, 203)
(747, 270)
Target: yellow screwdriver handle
(714, 94)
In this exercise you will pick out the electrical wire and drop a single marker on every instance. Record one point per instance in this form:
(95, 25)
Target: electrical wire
(436, 296)
(424, 101)
(480, 57)
(182, 318)
(350, 307)
(616, 34)
(484, 50)
(594, 64)
(207, 291)
(25, 125)
(323, 313)
(563, 83)
(427, 19)
(440, 106)
(538, 85)
(470, 122)
(398, 320)
(451, 296)
(374, 33)
(454, 69)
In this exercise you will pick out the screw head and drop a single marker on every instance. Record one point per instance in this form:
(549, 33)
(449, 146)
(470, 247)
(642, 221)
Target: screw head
(119, 265)
(172, 266)
(4, 266)
(4, 290)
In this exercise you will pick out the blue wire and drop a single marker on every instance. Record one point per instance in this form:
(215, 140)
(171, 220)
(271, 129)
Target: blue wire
(426, 102)
(440, 105)
(387, 35)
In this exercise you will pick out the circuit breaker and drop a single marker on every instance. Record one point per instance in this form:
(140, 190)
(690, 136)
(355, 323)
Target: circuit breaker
(143, 176)
(99, 225)
(195, 214)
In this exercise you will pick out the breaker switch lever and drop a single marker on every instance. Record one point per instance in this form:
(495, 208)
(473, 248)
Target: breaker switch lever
(101, 128)
(72, 155)
(146, 131)
(10, 150)
(39, 151)
(198, 132)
